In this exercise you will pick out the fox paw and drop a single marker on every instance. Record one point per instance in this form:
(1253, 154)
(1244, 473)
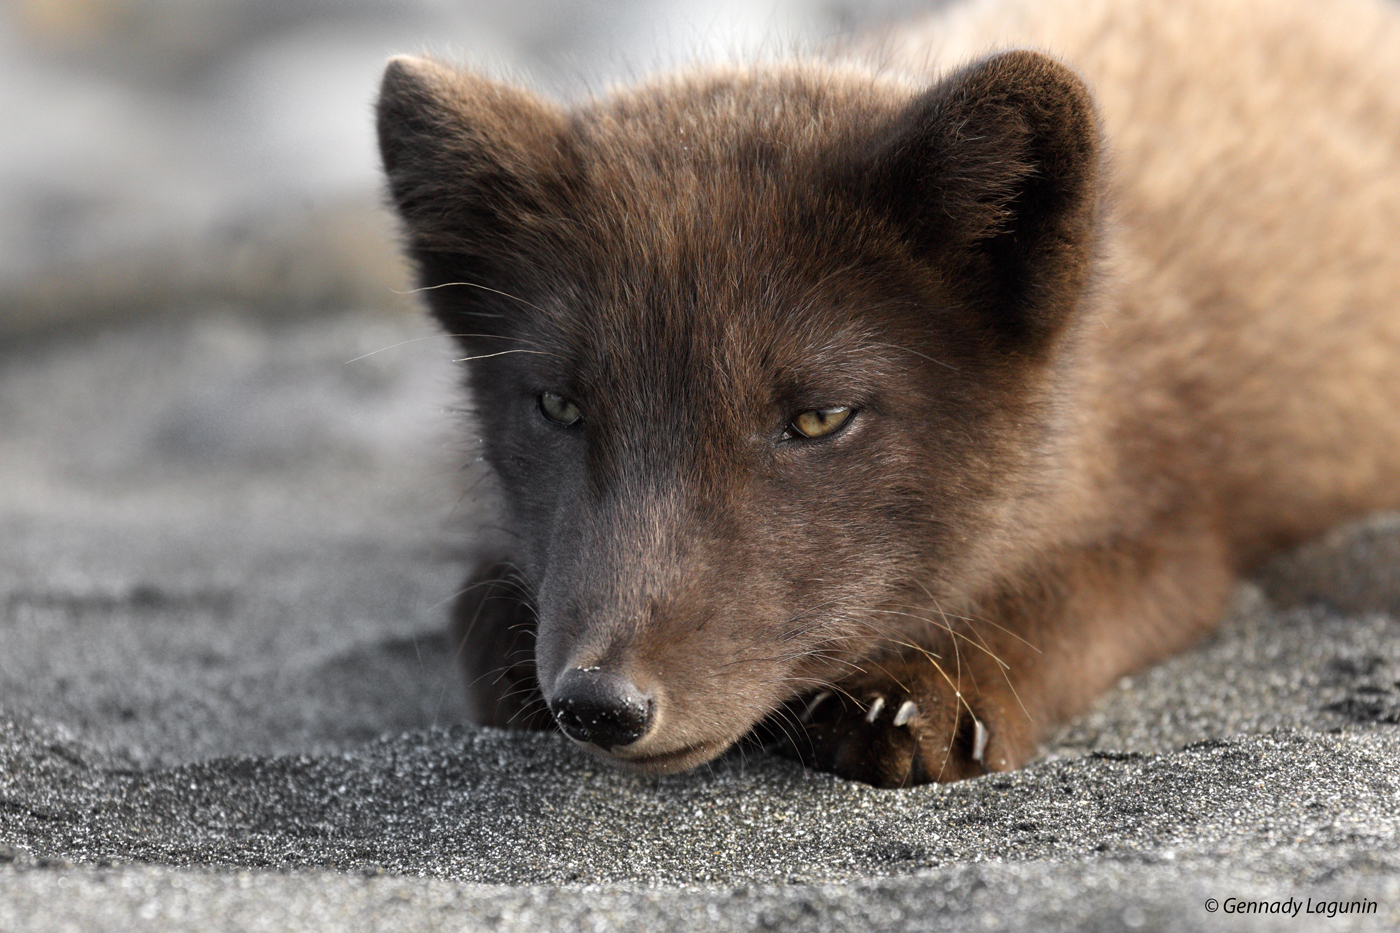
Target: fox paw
(892, 733)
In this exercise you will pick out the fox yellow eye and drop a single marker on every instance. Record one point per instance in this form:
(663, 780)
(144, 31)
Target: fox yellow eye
(559, 409)
(820, 421)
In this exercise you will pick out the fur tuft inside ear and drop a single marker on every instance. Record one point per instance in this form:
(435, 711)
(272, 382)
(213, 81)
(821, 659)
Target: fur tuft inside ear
(994, 177)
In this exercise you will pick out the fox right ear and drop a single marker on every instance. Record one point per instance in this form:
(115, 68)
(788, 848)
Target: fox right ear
(993, 174)
(473, 166)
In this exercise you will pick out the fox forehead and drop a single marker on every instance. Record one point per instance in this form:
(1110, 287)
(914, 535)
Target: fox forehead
(748, 355)
(737, 119)
(651, 329)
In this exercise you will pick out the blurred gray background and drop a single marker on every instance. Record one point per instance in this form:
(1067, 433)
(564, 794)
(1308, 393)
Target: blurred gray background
(157, 153)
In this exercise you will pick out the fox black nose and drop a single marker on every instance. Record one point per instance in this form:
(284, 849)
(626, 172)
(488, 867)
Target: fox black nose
(597, 706)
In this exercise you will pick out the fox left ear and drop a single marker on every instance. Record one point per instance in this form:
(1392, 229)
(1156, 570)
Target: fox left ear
(468, 159)
(477, 171)
(993, 175)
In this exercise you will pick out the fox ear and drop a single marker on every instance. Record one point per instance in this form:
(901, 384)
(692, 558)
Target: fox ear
(993, 175)
(475, 169)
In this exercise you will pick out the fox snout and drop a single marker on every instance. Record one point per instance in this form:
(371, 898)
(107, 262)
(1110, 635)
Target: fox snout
(603, 707)
(653, 646)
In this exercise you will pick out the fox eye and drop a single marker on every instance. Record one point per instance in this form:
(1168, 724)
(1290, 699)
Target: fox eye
(819, 422)
(559, 409)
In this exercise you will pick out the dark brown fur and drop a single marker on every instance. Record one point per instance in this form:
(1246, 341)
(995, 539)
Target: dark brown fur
(1011, 520)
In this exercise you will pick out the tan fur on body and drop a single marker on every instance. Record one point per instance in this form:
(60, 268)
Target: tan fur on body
(1095, 376)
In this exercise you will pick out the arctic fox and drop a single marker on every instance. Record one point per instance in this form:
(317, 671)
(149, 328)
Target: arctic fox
(897, 403)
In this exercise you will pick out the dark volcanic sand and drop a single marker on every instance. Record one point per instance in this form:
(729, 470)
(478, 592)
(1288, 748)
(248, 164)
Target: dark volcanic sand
(226, 703)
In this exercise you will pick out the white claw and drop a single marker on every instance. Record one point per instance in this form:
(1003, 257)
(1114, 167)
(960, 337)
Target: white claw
(812, 705)
(979, 740)
(906, 712)
(875, 708)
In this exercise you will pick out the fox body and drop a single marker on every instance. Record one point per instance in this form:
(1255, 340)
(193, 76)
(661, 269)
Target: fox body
(898, 403)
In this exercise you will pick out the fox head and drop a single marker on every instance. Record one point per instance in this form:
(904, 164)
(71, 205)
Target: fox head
(760, 356)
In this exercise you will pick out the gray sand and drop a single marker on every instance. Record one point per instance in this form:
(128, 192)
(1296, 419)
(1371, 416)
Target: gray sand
(226, 702)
